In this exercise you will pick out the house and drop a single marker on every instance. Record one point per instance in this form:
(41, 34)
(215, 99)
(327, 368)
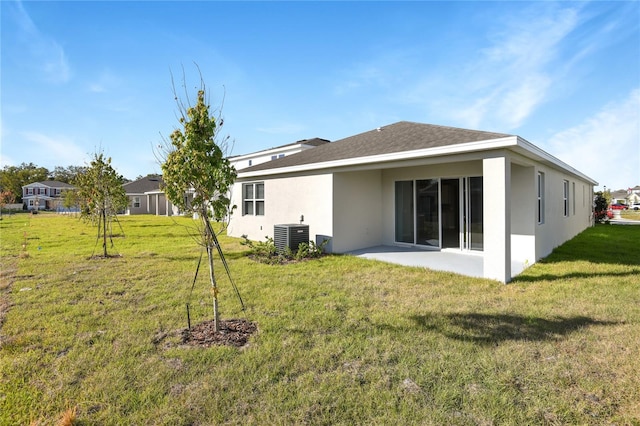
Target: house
(259, 157)
(146, 197)
(46, 195)
(492, 195)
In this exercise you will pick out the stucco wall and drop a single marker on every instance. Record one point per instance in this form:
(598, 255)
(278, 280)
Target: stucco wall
(357, 215)
(523, 214)
(286, 199)
(557, 228)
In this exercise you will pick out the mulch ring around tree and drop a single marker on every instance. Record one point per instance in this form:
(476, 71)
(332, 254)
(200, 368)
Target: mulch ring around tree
(233, 332)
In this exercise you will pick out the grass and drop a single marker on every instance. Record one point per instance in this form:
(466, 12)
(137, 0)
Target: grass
(340, 340)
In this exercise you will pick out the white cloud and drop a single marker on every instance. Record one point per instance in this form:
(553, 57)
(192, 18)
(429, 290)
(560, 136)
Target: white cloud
(54, 151)
(605, 146)
(513, 76)
(46, 52)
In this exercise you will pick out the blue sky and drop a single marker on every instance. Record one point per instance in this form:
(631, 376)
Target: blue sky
(80, 77)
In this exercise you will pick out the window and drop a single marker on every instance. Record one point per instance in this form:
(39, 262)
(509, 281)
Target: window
(565, 197)
(281, 155)
(136, 202)
(540, 197)
(273, 157)
(253, 199)
(250, 162)
(573, 196)
(29, 191)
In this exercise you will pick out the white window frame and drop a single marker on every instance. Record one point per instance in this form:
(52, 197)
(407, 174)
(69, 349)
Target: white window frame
(565, 198)
(253, 205)
(540, 198)
(135, 202)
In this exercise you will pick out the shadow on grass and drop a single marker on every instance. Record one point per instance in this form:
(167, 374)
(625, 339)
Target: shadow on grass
(524, 278)
(488, 329)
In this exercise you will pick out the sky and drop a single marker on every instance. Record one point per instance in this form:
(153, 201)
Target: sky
(80, 77)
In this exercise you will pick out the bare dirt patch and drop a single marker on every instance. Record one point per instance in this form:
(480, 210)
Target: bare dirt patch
(233, 332)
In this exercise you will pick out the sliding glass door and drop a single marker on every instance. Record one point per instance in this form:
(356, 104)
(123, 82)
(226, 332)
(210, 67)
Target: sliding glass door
(443, 213)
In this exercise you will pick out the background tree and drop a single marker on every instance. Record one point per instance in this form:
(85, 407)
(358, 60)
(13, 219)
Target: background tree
(6, 197)
(66, 175)
(101, 196)
(600, 206)
(195, 163)
(13, 178)
(70, 199)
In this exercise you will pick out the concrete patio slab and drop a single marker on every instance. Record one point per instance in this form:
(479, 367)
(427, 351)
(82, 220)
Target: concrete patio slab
(464, 263)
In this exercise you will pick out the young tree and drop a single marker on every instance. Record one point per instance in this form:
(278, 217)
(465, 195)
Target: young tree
(195, 163)
(6, 197)
(101, 195)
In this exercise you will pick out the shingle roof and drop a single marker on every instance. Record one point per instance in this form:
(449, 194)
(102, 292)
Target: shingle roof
(397, 137)
(146, 184)
(54, 184)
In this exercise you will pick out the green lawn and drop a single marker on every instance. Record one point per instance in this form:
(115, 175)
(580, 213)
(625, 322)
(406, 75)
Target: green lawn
(340, 341)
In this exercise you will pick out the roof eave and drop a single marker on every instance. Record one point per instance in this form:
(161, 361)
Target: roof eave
(383, 158)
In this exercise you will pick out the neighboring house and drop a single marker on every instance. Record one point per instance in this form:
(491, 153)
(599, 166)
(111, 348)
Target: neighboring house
(146, 197)
(619, 197)
(46, 195)
(418, 185)
(255, 158)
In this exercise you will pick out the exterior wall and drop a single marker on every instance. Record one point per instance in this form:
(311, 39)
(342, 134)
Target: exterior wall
(390, 176)
(143, 209)
(557, 228)
(357, 213)
(286, 199)
(523, 216)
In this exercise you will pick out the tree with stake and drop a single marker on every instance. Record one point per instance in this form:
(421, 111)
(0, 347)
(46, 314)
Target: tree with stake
(195, 163)
(101, 195)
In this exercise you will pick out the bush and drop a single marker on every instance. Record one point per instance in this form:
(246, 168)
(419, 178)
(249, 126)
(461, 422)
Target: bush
(266, 251)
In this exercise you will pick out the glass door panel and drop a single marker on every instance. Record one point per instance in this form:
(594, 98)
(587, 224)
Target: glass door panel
(450, 202)
(427, 213)
(476, 231)
(404, 212)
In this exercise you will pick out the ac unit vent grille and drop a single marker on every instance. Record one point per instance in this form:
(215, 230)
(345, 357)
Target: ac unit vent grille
(290, 235)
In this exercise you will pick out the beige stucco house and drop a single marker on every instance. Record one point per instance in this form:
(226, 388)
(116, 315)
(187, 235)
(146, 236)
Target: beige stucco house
(424, 186)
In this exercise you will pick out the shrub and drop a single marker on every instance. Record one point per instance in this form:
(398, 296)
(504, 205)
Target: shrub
(266, 251)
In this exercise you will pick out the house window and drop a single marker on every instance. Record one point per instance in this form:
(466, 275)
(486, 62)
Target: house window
(29, 191)
(281, 155)
(250, 162)
(273, 157)
(540, 197)
(136, 202)
(565, 197)
(253, 199)
(573, 197)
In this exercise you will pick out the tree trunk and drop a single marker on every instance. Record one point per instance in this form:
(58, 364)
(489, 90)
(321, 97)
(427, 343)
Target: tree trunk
(212, 277)
(104, 231)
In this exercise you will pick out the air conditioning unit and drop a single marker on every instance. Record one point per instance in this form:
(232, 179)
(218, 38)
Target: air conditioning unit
(290, 235)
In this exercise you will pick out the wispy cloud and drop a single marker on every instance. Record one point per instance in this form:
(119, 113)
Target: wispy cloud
(513, 76)
(605, 146)
(48, 55)
(57, 150)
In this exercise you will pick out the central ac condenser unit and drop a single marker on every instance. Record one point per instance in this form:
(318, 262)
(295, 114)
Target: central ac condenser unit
(290, 235)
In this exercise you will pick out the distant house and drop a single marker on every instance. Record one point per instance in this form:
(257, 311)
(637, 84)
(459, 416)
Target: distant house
(146, 197)
(489, 195)
(263, 156)
(46, 195)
